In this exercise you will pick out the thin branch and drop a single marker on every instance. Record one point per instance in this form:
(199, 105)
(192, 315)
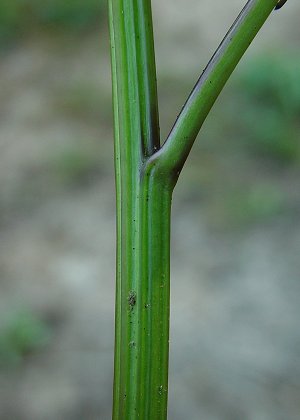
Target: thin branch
(173, 154)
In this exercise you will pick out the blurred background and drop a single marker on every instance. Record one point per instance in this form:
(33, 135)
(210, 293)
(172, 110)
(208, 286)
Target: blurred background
(235, 336)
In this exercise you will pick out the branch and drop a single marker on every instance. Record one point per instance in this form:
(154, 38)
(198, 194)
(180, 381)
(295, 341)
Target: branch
(173, 154)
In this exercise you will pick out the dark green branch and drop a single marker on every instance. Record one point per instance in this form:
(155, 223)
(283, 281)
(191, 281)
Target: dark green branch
(173, 154)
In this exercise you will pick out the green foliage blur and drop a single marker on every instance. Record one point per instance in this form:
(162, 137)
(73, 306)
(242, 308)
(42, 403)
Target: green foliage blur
(250, 146)
(268, 102)
(19, 17)
(23, 334)
(240, 207)
(75, 166)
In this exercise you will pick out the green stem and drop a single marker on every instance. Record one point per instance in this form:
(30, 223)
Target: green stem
(207, 89)
(145, 178)
(143, 207)
(147, 77)
(155, 295)
(128, 160)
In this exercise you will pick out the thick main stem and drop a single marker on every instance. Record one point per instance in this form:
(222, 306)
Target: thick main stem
(143, 220)
(142, 336)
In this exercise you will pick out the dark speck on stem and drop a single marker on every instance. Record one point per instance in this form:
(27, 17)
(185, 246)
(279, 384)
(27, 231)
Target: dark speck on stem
(131, 299)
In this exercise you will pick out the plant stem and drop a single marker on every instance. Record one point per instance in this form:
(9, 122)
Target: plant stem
(145, 178)
(155, 294)
(143, 207)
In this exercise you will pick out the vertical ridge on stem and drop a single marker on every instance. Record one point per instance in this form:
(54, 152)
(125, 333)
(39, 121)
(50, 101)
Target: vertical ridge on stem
(147, 77)
(155, 265)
